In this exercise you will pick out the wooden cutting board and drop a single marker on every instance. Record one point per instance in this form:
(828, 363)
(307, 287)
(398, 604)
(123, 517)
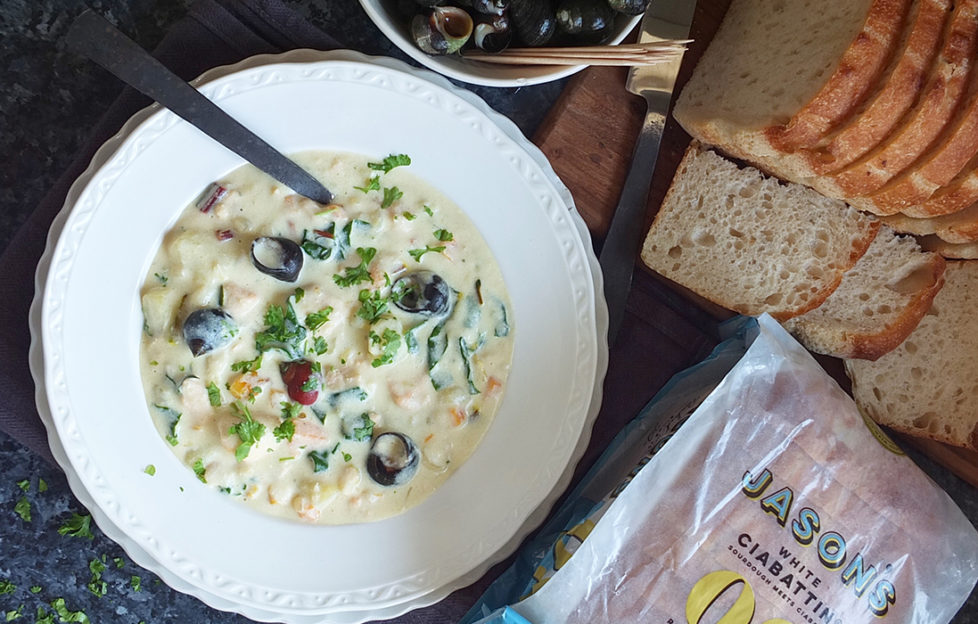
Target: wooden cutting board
(589, 135)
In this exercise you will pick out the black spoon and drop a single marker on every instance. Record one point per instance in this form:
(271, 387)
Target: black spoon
(92, 36)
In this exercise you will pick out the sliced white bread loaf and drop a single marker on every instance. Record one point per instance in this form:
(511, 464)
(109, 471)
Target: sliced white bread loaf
(958, 194)
(897, 92)
(778, 64)
(959, 227)
(748, 242)
(941, 100)
(927, 385)
(879, 302)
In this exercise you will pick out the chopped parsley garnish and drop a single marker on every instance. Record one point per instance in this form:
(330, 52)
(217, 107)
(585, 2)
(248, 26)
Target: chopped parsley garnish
(244, 366)
(199, 470)
(373, 184)
(362, 430)
(372, 305)
(417, 253)
(359, 273)
(16, 614)
(390, 342)
(290, 410)
(310, 384)
(320, 460)
(162, 277)
(428, 210)
(42, 485)
(150, 469)
(283, 331)
(319, 244)
(317, 319)
(96, 585)
(249, 430)
(23, 509)
(77, 526)
(284, 431)
(172, 418)
(24, 485)
(136, 583)
(6, 587)
(319, 345)
(444, 235)
(253, 392)
(35, 589)
(391, 162)
(298, 295)
(214, 393)
(58, 604)
(407, 215)
(347, 457)
(391, 195)
(119, 562)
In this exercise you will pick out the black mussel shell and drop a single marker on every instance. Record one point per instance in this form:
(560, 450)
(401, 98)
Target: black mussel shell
(279, 257)
(533, 21)
(629, 7)
(422, 292)
(487, 7)
(492, 33)
(584, 18)
(208, 329)
(443, 30)
(393, 459)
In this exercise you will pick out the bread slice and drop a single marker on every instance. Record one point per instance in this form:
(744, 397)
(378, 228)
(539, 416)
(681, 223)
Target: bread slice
(898, 92)
(879, 302)
(956, 251)
(959, 227)
(927, 385)
(941, 100)
(749, 243)
(778, 70)
(958, 194)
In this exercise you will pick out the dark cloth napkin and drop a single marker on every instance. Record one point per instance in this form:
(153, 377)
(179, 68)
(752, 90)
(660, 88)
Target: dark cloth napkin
(213, 33)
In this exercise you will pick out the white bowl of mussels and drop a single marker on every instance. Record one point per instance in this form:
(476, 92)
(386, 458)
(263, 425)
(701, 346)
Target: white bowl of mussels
(437, 33)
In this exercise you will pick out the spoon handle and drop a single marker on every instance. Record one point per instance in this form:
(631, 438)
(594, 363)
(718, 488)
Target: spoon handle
(92, 36)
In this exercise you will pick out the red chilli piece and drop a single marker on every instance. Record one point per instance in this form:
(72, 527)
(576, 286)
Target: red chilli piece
(300, 381)
(211, 197)
(223, 235)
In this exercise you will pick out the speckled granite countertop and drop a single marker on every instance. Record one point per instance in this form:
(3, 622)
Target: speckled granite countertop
(49, 101)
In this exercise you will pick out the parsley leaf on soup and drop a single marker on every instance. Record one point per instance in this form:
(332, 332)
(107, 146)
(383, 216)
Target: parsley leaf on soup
(249, 430)
(391, 162)
(418, 253)
(373, 184)
(320, 460)
(391, 195)
(444, 235)
(372, 305)
(359, 273)
(317, 319)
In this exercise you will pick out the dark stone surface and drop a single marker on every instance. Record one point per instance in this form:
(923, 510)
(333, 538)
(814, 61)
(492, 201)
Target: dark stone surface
(49, 101)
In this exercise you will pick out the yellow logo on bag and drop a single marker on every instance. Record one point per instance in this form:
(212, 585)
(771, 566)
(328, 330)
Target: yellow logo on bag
(708, 589)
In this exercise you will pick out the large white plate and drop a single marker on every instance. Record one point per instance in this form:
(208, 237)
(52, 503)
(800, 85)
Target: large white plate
(90, 340)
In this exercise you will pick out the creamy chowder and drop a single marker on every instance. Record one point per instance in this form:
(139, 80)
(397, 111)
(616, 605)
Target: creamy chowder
(333, 364)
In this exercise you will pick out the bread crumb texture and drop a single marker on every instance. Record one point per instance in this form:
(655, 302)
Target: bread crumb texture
(928, 385)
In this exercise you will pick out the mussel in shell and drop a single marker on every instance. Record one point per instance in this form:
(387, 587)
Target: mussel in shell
(208, 329)
(278, 257)
(393, 459)
(629, 7)
(422, 292)
(587, 20)
(492, 33)
(533, 21)
(443, 30)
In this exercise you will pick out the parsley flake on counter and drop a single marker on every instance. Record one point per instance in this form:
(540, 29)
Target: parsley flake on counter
(320, 460)
(359, 273)
(62, 611)
(373, 184)
(136, 583)
(119, 562)
(25, 485)
(372, 305)
(391, 162)
(77, 526)
(249, 430)
(214, 393)
(96, 585)
(417, 253)
(35, 589)
(391, 195)
(42, 485)
(23, 509)
(6, 587)
(317, 319)
(16, 614)
(199, 470)
(444, 235)
(150, 469)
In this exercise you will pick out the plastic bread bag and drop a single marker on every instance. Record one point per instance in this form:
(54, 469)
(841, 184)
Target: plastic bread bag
(557, 539)
(776, 503)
